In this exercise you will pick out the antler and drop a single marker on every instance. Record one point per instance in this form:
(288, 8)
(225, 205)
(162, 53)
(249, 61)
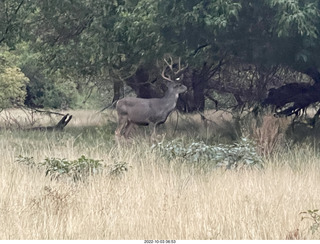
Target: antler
(170, 64)
(181, 70)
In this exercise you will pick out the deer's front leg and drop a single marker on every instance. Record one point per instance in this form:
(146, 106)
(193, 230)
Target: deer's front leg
(153, 129)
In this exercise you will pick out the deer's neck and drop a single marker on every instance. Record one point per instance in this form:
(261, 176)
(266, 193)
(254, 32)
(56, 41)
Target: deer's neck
(170, 100)
(173, 96)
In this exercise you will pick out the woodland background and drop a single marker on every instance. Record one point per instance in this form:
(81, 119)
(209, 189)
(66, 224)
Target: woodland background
(90, 53)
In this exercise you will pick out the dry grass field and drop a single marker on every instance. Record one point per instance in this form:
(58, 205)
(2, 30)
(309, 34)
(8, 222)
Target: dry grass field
(152, 198)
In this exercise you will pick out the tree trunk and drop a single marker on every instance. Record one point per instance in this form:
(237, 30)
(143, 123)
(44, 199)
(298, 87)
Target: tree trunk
(199, 84)
(194, 100)
(143, 85)
(117, 90)
(199, 98)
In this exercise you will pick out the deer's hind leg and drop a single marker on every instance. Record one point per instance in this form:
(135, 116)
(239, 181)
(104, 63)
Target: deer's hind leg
(127, 129)
(122, 123)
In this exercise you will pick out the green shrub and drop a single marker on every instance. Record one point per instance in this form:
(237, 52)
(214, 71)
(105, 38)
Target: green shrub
(231, 156)
(12, 80)
(56, 167)
(51, 94)
(76, 169)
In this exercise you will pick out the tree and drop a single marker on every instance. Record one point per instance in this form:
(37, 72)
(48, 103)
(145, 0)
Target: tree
(226, 43)
(290, 40)
(10, 20)
(12, 81)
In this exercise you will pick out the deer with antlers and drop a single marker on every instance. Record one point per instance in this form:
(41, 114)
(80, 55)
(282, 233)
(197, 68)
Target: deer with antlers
(154, 111)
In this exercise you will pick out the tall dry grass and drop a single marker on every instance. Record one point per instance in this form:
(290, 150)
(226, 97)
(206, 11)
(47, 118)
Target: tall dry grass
(154, 199)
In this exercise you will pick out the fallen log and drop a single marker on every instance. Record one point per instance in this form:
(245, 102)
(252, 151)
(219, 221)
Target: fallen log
(59, 126)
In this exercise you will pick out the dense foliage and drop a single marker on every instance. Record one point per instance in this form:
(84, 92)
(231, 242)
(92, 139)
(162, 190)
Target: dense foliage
(236, 47)
(12, 80)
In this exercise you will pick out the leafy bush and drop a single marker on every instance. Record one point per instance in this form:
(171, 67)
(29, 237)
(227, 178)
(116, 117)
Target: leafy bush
(231, 156)
(49, 93)
(76, 169)
(12, 80)
(55, 167)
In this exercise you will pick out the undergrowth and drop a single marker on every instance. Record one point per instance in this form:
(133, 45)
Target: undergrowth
(242, 153)
(59, 167)
(76, 170)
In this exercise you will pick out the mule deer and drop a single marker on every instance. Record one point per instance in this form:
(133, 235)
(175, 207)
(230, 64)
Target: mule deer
(153, 111)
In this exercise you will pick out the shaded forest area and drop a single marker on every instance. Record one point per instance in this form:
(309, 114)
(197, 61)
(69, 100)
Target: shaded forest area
(240, 54)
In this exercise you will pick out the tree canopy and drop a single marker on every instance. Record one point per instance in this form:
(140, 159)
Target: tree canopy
(237, 49)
